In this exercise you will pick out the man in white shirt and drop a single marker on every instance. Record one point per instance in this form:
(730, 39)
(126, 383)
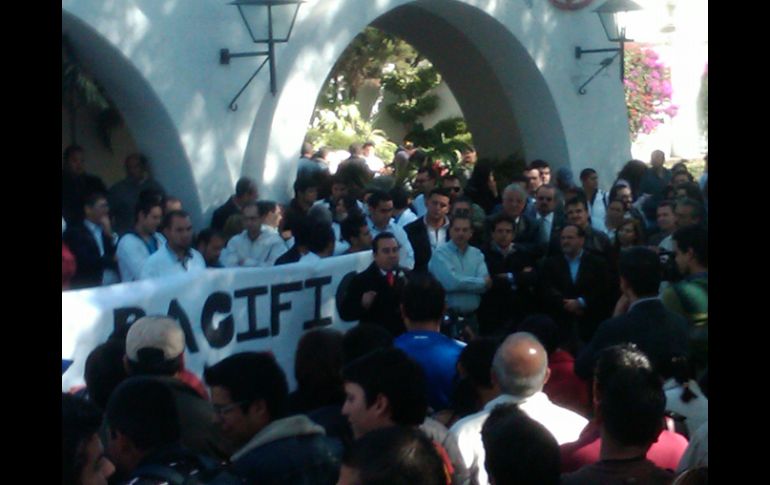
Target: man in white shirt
(254, 247)
(520, 368)
(597, 200)
(136, 246)
(177, 255)
(380, 211)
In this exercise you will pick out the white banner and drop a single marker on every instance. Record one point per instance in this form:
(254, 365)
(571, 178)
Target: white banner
(222, 311)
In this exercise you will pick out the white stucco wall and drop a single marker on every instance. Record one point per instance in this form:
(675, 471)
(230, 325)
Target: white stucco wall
(511, 66)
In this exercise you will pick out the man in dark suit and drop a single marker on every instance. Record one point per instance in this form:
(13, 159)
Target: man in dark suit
(374, 295)
(93, 244)
(510, 298)
(76, 184)
(550, 217)
(245, 191)
(431, 230)
(574, 289)
(596, 242)
(657, 331)
(515, 199)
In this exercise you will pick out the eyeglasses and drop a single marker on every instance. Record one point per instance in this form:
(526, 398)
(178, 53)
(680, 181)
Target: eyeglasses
(221, 410)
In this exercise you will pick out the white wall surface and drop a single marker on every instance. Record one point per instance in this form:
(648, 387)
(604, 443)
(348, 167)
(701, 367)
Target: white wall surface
(511, 67)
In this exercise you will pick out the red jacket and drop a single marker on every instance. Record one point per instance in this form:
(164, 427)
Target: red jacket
(564, 387)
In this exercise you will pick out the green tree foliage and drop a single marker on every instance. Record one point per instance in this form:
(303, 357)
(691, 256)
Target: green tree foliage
(411, 86)
(342, 126)
(81, 91)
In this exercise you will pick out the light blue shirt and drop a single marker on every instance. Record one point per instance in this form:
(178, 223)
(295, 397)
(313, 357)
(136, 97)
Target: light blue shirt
(574, 267)
(461, 275)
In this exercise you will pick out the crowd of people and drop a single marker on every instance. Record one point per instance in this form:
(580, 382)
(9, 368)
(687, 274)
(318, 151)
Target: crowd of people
(543, 332)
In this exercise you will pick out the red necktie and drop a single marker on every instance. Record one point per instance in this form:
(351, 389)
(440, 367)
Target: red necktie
(391, 278)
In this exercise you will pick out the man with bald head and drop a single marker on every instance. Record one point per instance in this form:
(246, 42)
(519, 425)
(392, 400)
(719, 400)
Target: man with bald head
(520, 369)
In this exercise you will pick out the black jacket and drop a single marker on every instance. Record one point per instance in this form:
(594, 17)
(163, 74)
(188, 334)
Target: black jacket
(385, 309)
(90, 266)
(418, 237)
(220, 216)
(657, 331)
(555, 285)
(504, 304)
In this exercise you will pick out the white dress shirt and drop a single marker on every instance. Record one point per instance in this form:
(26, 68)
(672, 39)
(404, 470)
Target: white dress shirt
(164, 262)
(241, 250)
(438, 236)
(133, 252)
(564, 425)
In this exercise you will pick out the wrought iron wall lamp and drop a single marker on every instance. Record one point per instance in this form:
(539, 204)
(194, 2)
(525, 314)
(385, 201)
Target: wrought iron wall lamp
(613, 15)
(270, 40)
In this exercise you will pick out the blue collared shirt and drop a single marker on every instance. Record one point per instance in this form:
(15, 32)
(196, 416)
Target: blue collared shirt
(463, 275)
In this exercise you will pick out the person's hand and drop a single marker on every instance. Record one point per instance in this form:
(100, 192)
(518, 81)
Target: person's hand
(106, 224)
(502, 276)
(528, 269)
(621, 306)
(286, 235)
(487, 281)
(573, 306)
(368, 298)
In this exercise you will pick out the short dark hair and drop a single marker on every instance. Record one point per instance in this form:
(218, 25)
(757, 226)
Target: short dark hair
(317, 365)
(400, 197)
(377, 197)
(379, 237)
(518, 449)
(459, 217)
(392, 373)
(640, 267)
(321, 235)
(169, 216)
(427, 169)
(144, 409)
(586, 172)
(500, 218)
(538, 164)
(632, 406)
(145, 205)
(265, 207)
(476, 359)
(70, 150)
(244, 185)
(302, 184)
(576, 201)
(364, 338)
(440, 191)
(616, 357)
(423, 298)
(666, 203)
(696, 238)
(351, 226)
(580, 231)
(307, 147)
(206, 235)
(544, 328)
(396, 455)
(104, 370)
(80, 422)
(697, 207)
(251, 376)
(94, 197)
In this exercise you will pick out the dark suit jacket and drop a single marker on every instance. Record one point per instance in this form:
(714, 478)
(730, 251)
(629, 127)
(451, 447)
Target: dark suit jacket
(75, 189)
(597, 243)
(223, 213)
(658, 332)
(90, 266)
(418, 237)
(503, 305)
(385, 309)
(555, 285)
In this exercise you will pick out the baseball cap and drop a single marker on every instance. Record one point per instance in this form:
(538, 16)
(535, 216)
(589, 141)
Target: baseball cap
(155, 332)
